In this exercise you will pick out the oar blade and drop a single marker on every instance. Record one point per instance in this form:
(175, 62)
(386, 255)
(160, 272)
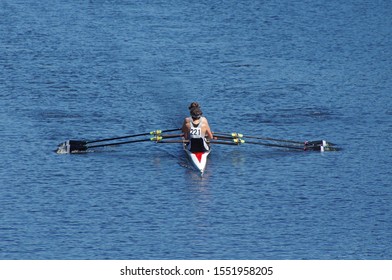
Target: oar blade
(320, 145)
(72, 146)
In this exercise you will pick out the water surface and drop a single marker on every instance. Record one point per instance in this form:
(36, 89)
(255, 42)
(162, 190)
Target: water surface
(302, 70)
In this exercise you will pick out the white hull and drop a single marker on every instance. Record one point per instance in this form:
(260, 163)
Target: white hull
(199, 159)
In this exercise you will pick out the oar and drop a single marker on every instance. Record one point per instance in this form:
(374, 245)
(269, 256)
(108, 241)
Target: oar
(119, 143)
(239, 135)
(224, 137)
(72, 146)
(155, 132)
(173, 141)
(156, 138)
(235, 142)
(224, 143)
(275, 145)
(235, 135)
(307, 146)
(238, 141)
(75, 146)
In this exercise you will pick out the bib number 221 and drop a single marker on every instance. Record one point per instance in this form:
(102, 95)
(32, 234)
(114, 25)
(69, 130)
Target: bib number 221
(195, 131)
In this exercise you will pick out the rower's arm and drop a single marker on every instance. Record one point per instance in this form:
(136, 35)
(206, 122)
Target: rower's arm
(208, 129)
(185, 128)
(209, 133)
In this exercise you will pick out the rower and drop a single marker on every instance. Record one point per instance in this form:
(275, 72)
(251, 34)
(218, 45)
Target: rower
(196, 129)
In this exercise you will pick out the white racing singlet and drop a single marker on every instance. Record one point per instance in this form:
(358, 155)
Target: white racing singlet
(197, 137)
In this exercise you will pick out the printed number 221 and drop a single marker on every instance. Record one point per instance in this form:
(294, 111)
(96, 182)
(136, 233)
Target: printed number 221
(195, 131)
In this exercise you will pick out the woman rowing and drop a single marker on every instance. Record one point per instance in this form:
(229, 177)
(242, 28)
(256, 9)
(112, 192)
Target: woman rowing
(196, 129)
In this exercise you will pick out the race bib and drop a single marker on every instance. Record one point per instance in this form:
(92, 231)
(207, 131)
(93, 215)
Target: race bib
(195, 132)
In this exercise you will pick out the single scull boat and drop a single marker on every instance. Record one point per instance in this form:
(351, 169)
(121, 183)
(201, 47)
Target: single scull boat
(198, 159)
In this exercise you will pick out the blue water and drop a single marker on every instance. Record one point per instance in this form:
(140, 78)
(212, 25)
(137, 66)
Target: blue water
(301, 70)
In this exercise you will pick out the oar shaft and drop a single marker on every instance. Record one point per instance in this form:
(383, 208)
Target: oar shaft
(173, 141)
(238, 142)
(131, 136)
(154, 139)
(275, 145)
(117, 138)
(223, 143)
(172, 136)
(274, 139)
(239, 135)
(223, 137)
(118, 143)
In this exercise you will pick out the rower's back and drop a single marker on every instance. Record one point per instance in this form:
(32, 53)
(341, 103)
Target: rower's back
(197, 135)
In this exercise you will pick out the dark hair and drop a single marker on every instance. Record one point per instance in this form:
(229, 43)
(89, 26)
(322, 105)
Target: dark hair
(194, 105)
(196, 113)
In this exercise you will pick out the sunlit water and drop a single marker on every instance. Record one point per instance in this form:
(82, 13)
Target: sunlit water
(302, 70)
